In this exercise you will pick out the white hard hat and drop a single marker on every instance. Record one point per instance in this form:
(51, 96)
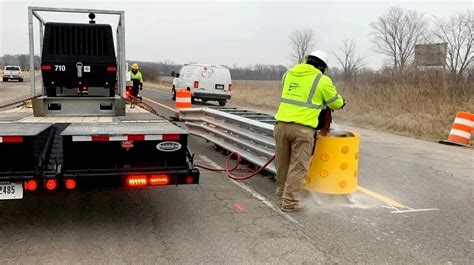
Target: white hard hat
(320, 55)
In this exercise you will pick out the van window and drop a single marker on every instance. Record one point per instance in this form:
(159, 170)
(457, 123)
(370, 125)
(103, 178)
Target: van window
(12, 68)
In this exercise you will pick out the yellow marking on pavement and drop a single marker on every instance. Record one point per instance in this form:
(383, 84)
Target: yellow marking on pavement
(162, 105)
(380, 197)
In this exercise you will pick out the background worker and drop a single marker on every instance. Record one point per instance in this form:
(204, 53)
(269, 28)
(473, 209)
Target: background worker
(137, 79)
(306, 92)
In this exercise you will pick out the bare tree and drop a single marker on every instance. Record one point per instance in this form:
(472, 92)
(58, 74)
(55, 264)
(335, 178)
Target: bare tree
(395, 34)
(349, 61)
(302, 42)
(457, 32)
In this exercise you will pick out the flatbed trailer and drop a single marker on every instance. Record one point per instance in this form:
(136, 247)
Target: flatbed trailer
(136, 150)
(63, 141)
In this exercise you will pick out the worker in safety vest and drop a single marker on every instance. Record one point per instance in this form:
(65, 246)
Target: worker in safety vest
(306, 92)
(137, 79)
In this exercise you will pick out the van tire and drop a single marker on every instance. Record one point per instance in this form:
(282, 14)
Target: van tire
(20, 80)
(222, 103)
(192, 100)
(5, 79)
(173, 93)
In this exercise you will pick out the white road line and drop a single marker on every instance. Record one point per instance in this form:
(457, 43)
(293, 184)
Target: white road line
(158, 91)
(254, 193)
(410, 210)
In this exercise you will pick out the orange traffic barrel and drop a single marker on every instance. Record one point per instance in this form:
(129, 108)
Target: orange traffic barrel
(183, 100)
(461, 130)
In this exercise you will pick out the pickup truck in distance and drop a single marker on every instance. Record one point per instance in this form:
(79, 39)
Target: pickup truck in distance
(12, 72)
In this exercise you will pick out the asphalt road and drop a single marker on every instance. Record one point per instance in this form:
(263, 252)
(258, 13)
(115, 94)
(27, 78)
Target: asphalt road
(222, 221)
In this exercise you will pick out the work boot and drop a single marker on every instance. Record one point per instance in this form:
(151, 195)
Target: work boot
(297, 208)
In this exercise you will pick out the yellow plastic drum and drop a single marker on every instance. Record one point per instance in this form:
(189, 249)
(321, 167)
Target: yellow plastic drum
(335, 163)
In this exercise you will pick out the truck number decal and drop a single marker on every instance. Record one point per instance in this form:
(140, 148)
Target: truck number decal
(59, 68)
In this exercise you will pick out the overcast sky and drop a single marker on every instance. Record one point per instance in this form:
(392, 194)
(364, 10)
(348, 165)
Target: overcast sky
(234, 32)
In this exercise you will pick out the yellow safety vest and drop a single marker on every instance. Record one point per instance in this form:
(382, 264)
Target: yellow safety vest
(306, 91)
(138, 76)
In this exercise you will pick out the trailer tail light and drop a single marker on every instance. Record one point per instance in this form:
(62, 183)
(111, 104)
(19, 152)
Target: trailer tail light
(189, 180)
(31, 185)
(11, 139)
(196, 84)
(230, 87)
(46, 67)
(51, 184)
(159, 180)
(171, 137)
(70, 184)
(137, 181)
(112, 68)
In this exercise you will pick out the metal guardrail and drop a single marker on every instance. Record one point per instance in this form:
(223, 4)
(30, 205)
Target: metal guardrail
(236, 130)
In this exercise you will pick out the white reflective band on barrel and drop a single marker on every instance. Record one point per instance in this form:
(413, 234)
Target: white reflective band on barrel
(309, 101)
(464, 122)
(183, 100)
(460, 133)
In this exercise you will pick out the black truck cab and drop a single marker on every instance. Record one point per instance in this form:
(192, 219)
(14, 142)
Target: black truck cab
(78, 59)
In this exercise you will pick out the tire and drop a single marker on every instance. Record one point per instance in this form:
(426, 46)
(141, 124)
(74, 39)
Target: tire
(192, 100)
(20, 80)
(5, 79)
(222, 103)
(173, 93)
(112, 92)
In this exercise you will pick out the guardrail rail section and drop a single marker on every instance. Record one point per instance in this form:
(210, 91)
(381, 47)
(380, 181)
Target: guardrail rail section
(243, 131)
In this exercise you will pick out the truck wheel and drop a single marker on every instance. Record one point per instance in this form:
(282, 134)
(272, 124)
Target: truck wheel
(4, 79)
(222, 103)
(192, 100)
(20, 80)
(173, 93)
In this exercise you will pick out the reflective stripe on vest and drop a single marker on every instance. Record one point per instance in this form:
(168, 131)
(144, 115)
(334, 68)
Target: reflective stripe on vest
(333, 99)
(309, 101)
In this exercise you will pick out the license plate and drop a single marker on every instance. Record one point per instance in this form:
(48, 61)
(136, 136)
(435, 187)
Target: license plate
(11, 190)
(221, 87)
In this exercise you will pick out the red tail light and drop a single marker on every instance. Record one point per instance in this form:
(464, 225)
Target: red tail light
(230, 87)
(85, 88)
(137, 181)
(46, 67)
(12, 139)
(189, 180)
(196, 84)
(112, 68)
(159, 180)
(31, 185)
(171, 137)
(70, 184)
(51, 184)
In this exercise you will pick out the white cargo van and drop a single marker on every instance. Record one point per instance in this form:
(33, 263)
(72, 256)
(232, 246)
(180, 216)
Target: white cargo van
(206, 82)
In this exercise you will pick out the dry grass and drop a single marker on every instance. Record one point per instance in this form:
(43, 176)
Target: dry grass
(424, 111)
(421, 108)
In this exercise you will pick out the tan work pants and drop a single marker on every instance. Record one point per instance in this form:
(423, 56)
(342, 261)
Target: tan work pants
(294, 146)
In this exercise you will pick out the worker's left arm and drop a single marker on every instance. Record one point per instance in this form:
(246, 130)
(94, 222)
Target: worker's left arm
(330, 96)
(140, 77)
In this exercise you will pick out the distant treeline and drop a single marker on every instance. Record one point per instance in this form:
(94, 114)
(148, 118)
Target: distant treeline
(22, 60)
(153, 70)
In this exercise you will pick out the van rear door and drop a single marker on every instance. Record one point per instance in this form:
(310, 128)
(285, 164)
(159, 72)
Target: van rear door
(222, 79)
